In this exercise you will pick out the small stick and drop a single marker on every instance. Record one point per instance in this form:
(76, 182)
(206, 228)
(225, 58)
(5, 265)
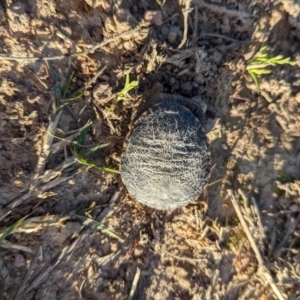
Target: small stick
(66, 250)
(246, 203)
(88, 51)
(262, 267)
(289, 231)
(259, 218)
(134, 283)
(272, 243)
(195, 29)
(29, 272)
(112, 200)
(185, 16)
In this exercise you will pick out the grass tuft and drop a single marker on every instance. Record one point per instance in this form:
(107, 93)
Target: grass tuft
(262, 62)
(129, 85)
(10, 229)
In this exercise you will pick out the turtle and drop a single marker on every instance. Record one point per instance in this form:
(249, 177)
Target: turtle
(166, 161)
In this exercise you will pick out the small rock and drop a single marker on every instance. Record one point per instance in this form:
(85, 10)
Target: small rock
(187, 88)
(153, 17)
(199, 78)
(138, 252)
(294, 207)
(217, 57)
(224, 146)
(173, 34)
(19, 261)
(202, 104)
(129, 45)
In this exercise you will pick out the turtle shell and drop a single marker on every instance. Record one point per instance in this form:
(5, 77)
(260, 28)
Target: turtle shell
(165, 162)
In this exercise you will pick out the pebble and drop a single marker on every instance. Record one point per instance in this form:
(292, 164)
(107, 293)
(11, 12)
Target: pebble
(187, 88)
(217, 57)
(154, 17)
(199, 78)
(129, 45)
(19, 261)
(294, 207)
(173, 34)
(224, 146)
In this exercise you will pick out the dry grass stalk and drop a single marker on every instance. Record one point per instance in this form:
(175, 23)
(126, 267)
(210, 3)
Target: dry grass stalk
(262, 266)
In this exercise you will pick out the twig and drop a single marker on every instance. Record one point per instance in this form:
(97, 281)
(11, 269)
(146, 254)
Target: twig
(88, 51)
(272, 243)
(262, 267)
(195, 27)
(29, 272)
(289, 231)
(35, 193)
(134, 283)
(246, 203)
(185, 12)
(66, 250)
(112, 200)
(222, 10)
(259, 218)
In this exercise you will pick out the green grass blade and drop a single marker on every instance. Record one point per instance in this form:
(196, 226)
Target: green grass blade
(260, 71)
(81, 138)
(127, 88)
(10, 229)
(90, 164)
(90, 222)
(259, 60)
(255, 79)
(58, 96)
(77, 94)
(67, 85)
(91, 150)
(110, 170)
(51, 71)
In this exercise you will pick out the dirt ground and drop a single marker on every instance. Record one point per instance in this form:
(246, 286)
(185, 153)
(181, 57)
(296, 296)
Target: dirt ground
(83, 236)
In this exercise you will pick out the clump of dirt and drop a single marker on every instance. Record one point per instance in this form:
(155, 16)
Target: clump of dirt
(83, 236)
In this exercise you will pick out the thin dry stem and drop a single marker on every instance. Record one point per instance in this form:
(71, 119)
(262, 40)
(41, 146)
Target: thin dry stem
(262, 267)
(88, 51)
(185, 12)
